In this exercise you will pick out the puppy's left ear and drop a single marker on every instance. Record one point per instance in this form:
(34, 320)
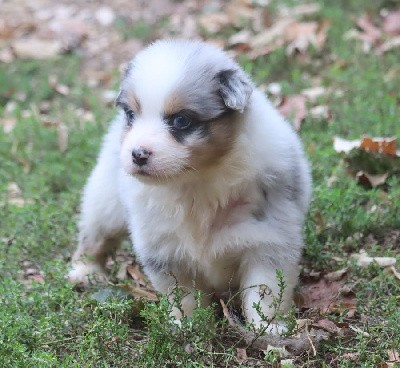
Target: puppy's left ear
(235, 90)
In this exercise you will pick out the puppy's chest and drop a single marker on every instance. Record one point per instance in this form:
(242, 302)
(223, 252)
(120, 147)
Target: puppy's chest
(194, 219)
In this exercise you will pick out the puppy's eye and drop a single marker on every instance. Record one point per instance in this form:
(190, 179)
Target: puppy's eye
(180, 122)
(130, 116)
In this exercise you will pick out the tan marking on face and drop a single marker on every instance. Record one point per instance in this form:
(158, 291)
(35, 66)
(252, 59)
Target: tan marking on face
(221, 137)
(133, 102)
(173, 104)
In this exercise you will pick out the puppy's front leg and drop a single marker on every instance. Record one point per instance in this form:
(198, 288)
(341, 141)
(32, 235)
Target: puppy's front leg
(102, 222)
(166, 283)
(260, 285)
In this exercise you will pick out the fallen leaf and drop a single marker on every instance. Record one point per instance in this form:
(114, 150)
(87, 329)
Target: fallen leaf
(388, 45)
(391, 23)
(294, 108)
(268, 37)
(6, 55)
(214, 22)
(105, 15)
(329, 326)
(136, 274)
(314, 92)
(319, 112)
(227, 314)
(300, 10)
(344, 145)
(394, 356)
(122, 271)
(363, 259)
(325, 296)
(300, 35)
(241, 355)
(359, 331)
(336, 275)
(274, 89)
(8, 124)
(370, 33)
(371, 181)
(36, 48)
(350, 356)
(242, 37)
(386, 146)
(15, 197)
(140, 293)
(394, 271)
(239, 11)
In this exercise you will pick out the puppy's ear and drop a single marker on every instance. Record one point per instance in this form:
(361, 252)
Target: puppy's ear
(234, 89)
(121, 98)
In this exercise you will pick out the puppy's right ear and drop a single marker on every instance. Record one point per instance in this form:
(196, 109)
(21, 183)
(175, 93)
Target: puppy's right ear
(235, 90)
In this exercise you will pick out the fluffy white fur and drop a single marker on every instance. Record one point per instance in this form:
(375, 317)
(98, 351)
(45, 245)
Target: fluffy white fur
(219, 228)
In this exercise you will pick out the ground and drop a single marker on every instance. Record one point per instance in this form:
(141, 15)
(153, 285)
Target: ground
(330, 66)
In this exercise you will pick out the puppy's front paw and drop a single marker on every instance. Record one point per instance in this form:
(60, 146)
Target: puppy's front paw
(274, 328)
(86, 273)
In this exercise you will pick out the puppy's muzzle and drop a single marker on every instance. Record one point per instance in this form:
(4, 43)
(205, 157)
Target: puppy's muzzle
(140, 156)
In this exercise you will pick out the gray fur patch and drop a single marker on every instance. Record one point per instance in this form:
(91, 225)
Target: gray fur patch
(293, 188)
(155, 265)
(260, 212)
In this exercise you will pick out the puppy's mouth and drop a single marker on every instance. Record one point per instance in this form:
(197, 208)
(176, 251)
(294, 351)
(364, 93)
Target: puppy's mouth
(142, 172)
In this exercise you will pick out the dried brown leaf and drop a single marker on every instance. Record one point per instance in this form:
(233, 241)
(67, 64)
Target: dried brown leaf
(214, 22)
(394, 356)
(271, 38)
(300, 35)
(370, 33)
(370, 180)
(336, 275)
(391, 23)
(227, 314)
(294, 108)
(393, 270)
(34, 48)
(363, 259)
(136, 274)
(320, 112)
(386, 146)
(329, 326)
(241, 355)
(6, 56)
(388, 45)
(140, 293)
(325, 296)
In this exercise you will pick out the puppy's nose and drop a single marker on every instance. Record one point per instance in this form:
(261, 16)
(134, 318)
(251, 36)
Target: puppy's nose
(140, 156)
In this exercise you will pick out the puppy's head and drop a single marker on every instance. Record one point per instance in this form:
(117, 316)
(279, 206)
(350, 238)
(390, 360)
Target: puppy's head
(183, 105)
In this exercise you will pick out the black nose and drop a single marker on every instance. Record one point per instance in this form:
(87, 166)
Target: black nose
(140, 156)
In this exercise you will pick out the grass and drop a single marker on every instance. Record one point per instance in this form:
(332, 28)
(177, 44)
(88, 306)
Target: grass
(52, 325)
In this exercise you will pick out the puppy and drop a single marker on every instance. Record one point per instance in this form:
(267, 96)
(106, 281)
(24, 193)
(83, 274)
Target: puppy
(209, 180)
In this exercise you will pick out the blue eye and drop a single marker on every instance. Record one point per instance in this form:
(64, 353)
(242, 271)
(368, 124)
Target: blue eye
(180, 122)
(130, 116)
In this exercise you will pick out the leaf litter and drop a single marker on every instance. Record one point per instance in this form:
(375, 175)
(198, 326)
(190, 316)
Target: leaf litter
(46, 30)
